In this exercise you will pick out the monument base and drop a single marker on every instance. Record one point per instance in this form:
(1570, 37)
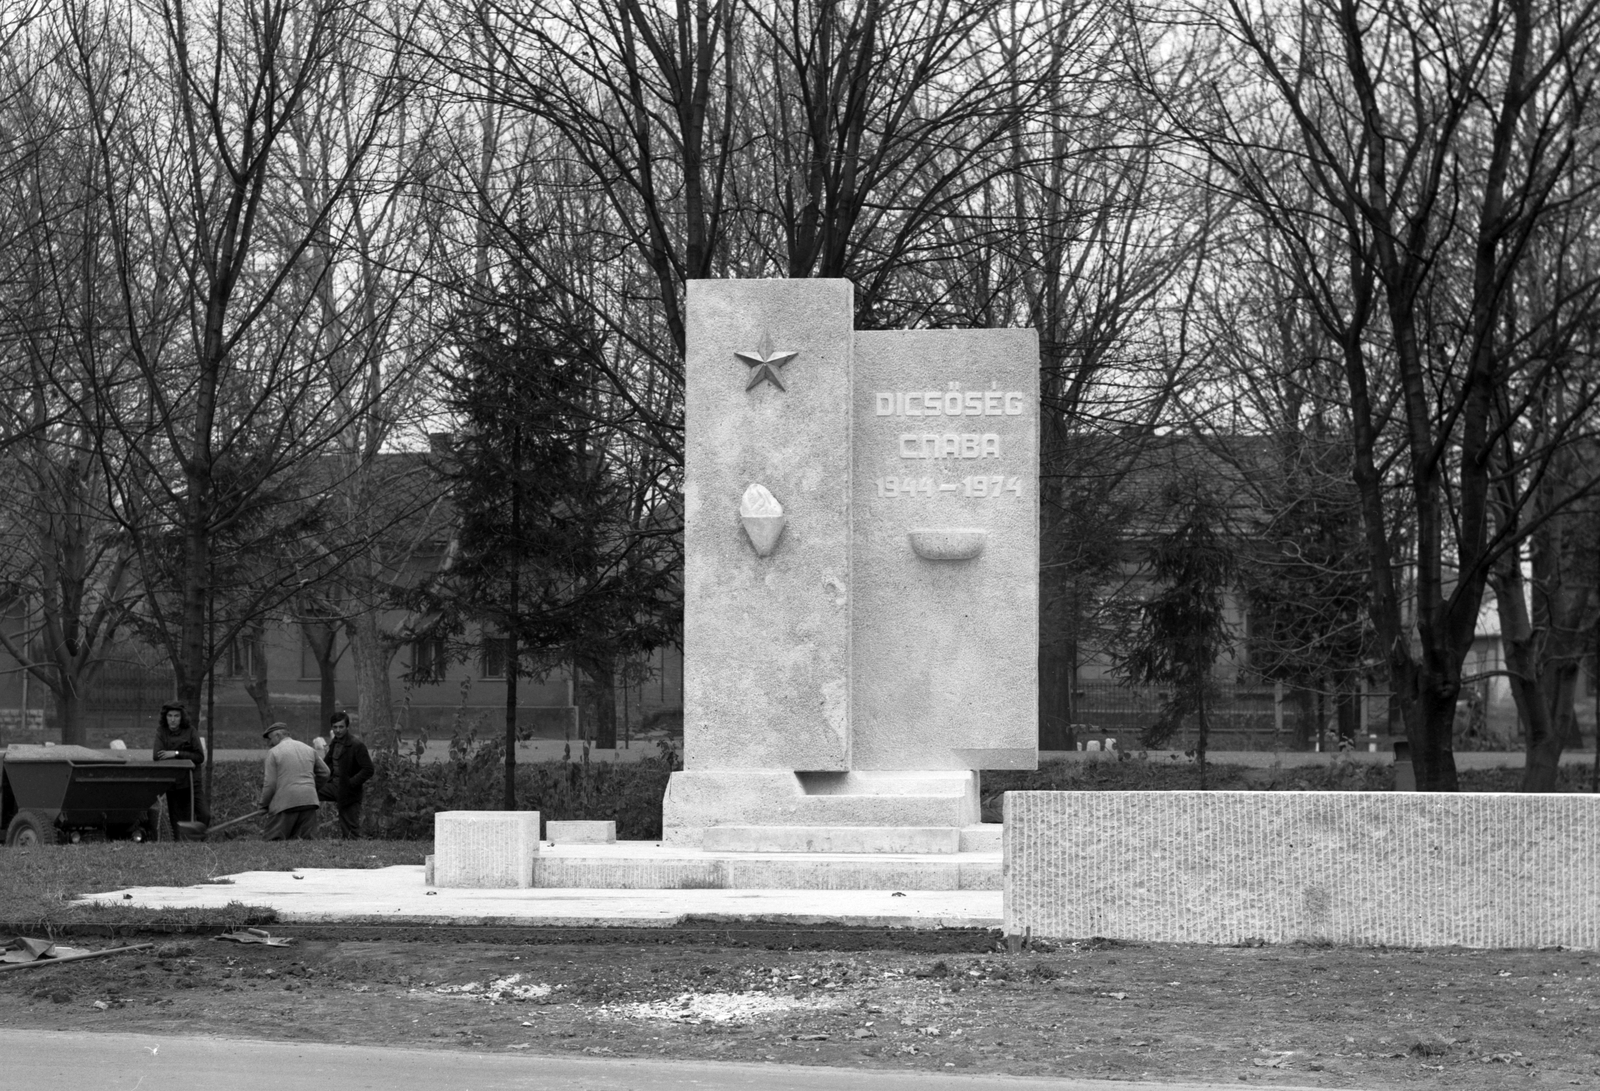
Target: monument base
(650, 865)
(857, 811)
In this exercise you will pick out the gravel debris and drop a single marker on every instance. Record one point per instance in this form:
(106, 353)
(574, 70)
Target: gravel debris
(721, 1008)
(498, 990)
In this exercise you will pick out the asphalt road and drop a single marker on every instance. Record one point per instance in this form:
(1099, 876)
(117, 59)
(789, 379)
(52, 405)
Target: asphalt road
(79, 1061)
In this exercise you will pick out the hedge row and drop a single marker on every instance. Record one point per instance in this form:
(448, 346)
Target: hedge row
(405, 793)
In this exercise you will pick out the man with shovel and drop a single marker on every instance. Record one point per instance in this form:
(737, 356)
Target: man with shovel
(289, 788)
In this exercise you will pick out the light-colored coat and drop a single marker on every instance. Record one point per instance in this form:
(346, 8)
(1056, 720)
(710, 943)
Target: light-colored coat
(292, 772)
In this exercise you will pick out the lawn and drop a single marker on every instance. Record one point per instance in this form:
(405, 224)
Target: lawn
(37, 885)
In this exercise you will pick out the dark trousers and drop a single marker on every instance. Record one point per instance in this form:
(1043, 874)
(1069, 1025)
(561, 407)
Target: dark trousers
(294, 824)
(350, 820)
(349, 811)
(178, 799)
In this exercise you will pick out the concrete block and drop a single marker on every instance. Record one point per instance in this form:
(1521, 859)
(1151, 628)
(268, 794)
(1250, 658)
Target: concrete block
(700, 799)
(580, 832)
(427, 870)
(484, 849)
(767, 638)
(944, 641)
(854, 839)
(1399, 869)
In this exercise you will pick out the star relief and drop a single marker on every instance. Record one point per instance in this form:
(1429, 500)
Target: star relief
(764, 363)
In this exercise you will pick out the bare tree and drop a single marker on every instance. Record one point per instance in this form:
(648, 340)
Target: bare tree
(223, 398)
(1430, 143)
(63, 558)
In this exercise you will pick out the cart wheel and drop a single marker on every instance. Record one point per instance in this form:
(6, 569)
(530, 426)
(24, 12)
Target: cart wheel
(27, 830)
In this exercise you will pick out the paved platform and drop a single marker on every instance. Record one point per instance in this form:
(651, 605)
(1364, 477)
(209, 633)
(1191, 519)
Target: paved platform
(397, 895)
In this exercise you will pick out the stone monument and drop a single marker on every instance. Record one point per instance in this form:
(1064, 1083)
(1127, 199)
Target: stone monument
(861, 575)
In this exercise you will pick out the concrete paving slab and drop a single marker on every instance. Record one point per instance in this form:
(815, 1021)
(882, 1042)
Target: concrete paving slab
(396, 895)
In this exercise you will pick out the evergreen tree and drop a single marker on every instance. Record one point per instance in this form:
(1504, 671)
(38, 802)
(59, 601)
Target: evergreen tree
(1181, 629)
(559, 551)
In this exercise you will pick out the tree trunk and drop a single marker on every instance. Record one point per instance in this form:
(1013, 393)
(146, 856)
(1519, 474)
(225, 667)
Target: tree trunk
(190, 663)
(69, 707)
(599, 701)
(512, 655)
(320, 638)
(1429, 717)
(1055, 692)
(256, 684)
(1305, 721)
(370, 654)
(1202, 731)
(1347, 711)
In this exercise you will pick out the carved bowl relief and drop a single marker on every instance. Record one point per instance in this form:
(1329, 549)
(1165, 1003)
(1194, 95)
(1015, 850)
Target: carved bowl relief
(947, 543)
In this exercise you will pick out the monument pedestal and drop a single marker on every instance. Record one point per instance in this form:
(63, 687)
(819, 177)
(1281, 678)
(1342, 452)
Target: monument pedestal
(758, 810)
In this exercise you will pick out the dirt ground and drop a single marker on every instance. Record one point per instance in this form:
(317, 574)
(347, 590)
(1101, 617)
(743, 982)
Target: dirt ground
(933, 1001)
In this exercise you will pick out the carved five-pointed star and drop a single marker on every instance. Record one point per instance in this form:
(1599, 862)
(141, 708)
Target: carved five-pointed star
(764, 363)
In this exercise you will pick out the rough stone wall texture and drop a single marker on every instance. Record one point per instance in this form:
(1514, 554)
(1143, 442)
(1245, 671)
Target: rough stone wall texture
(485, 850)
(945, 651)
(1402, 869)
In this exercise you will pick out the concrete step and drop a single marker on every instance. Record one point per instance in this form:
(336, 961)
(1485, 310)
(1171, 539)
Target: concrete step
(853, 839)
(645, 865)
(984, 837)
(701, 800)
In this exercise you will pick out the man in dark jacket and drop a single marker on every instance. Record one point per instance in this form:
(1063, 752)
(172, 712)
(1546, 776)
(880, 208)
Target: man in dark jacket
(351, 768)
(176, 738)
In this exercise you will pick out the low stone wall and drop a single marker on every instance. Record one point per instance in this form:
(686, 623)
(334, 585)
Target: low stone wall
(1399, 869)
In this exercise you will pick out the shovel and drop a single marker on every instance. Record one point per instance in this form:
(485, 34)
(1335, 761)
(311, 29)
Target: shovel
(220, 826)
(191, 830)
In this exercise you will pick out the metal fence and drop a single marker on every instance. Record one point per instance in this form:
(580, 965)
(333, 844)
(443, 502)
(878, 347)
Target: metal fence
(1240, 717)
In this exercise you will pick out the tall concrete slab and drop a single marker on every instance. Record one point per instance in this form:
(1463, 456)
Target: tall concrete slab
(946, 559)
(767, 635)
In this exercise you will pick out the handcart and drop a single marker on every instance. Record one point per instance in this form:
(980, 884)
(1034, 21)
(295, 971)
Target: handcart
(53, 794)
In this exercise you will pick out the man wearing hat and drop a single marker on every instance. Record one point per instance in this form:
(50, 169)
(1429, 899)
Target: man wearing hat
(289, 790)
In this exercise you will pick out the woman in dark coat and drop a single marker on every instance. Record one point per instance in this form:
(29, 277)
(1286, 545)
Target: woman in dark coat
(177, 738)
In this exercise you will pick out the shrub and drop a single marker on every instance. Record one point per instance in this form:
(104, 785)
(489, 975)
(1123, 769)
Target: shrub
(406, 791)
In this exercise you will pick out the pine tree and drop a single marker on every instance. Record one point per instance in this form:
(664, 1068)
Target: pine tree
(557, 553)
(1182, 629)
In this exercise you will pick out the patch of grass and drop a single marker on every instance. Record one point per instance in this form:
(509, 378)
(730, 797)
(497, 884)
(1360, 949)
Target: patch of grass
(37, 885)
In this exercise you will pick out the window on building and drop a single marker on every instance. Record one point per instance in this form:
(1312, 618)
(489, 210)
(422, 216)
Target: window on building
(429, 659)
(492, 653)
(238, 660)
